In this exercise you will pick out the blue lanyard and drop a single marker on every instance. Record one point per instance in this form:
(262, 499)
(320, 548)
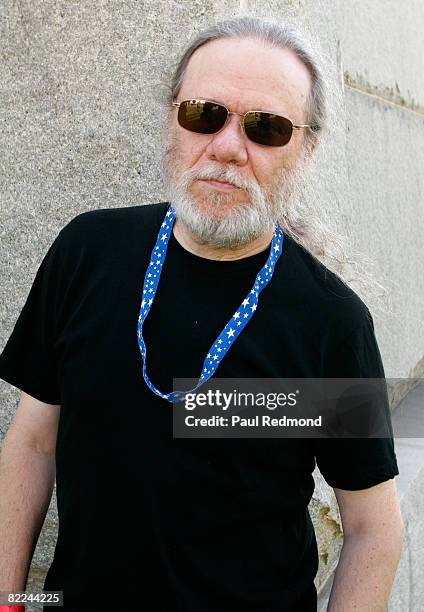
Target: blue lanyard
(234, 326)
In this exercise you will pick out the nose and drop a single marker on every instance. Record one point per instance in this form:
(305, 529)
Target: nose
(229, 145)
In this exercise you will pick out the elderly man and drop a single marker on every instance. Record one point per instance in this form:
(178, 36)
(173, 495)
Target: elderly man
(128, 299)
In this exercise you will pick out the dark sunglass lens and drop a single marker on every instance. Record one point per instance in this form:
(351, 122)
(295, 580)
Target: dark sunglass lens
(268, 129)
(201, 117)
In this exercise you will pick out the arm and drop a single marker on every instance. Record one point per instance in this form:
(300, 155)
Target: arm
(27, 474)
(373, 537)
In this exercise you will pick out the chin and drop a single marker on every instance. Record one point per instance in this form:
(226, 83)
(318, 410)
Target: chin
(216, 204)
(218, 225)
(217, 212)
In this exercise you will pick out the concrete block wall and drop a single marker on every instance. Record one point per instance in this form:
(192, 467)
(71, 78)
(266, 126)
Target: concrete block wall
(78, 84)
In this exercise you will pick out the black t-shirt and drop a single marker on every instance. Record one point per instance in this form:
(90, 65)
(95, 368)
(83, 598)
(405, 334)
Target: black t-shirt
(158, 522)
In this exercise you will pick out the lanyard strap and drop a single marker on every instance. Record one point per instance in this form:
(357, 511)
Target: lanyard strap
(233, 328)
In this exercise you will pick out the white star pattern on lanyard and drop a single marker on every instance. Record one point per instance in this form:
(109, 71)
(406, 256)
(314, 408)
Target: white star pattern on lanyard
(234, 326)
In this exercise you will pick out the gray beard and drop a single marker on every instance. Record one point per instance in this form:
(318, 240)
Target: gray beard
(217, 223)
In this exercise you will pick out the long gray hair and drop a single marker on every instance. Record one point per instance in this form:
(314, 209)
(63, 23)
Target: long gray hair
(303, 219)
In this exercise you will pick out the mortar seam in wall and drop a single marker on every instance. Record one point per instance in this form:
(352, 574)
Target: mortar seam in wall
(384, 100)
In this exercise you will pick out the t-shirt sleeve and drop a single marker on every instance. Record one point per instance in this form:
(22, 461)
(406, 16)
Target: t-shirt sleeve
(358, 463)
(29, 360)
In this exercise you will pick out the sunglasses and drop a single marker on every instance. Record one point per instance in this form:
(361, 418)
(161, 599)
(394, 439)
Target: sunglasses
(208, 117)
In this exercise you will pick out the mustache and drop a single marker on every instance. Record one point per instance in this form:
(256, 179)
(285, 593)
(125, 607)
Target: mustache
(228, 175)
(209, 171)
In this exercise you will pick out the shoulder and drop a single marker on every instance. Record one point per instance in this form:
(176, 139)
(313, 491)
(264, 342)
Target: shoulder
(329, 298)
(98, 238)
(110, 230)
(116, 220)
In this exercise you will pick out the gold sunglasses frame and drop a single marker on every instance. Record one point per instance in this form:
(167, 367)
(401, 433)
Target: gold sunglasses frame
(294, 126)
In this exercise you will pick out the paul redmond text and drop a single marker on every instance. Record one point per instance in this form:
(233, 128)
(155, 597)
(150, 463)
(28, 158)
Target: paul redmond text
(256, 421)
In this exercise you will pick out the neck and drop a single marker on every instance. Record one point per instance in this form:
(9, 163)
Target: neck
(189, 242)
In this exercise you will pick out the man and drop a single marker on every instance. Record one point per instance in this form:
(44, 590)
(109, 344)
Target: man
(147, 521)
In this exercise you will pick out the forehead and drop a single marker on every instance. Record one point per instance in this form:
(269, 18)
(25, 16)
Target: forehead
(246, 74)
